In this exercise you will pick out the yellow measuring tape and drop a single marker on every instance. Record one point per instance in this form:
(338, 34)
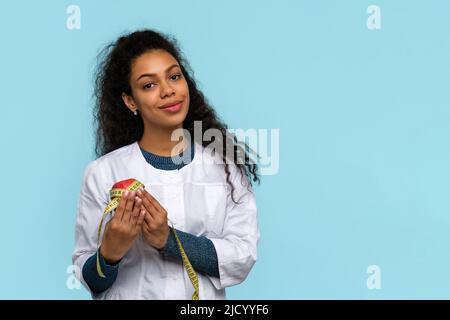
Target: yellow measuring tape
(115, 194)
(187, 264)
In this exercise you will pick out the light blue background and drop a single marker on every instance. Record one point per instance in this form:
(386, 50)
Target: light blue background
(364, 125)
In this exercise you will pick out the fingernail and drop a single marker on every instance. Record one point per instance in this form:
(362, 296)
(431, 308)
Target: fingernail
(126, 193)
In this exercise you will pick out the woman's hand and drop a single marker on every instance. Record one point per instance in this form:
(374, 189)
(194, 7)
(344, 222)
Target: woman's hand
(155, 228)
(123, 228)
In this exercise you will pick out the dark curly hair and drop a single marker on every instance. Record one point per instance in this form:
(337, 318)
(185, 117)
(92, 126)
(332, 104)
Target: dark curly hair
(117, 127)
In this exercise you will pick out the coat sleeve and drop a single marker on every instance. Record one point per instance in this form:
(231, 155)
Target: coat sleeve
(91, 203)
(237, 247)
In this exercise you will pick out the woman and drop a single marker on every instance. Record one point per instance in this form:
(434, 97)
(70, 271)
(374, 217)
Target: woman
(194, 194)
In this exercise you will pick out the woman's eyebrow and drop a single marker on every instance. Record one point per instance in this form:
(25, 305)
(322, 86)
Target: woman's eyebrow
(152, 74)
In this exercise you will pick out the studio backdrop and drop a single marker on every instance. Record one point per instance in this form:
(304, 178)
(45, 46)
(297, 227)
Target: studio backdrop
(349, 103)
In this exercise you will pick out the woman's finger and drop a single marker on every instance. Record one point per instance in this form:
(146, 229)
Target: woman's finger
(128, 207)
(149, 221)
(140, 219)
(145, 227)
(149, 207)
(153, 201)
(121, 206)
(136, 211)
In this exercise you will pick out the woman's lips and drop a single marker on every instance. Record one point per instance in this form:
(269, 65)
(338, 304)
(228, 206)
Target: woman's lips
(172, 108)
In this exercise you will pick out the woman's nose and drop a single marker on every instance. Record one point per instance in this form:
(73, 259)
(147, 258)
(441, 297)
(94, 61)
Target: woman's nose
(166, 90)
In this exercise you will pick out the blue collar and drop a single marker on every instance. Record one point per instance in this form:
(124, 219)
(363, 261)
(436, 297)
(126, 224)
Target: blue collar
(169, 163)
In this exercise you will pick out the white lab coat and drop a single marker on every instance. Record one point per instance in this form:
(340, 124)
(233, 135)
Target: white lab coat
(197, 200)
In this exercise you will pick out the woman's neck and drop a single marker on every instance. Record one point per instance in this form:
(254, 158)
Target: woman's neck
(158, 141)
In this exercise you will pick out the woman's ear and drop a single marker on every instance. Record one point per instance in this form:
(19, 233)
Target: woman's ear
(129, 102)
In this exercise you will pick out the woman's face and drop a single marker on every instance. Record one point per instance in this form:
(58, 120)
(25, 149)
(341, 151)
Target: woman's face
(156, 81)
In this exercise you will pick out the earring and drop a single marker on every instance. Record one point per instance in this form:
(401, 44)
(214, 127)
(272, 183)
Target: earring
(135, 112)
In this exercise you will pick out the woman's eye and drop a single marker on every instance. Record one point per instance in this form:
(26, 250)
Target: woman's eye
(147, 86)
(176, 75)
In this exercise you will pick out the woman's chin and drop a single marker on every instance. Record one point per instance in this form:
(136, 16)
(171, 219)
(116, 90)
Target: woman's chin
(174, 121)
